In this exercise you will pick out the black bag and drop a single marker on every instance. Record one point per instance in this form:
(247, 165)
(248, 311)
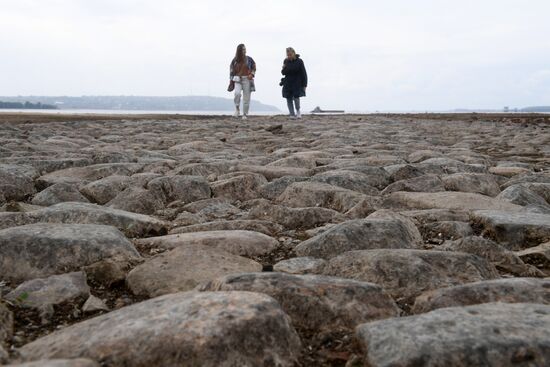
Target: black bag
(231, 86)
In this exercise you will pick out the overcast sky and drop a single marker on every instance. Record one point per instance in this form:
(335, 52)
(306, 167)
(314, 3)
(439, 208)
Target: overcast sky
(360, 55)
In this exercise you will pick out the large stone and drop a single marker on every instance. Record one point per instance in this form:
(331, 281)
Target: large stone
(351, 180)
(426, 183)
(424, 216)
(492, 334)
(16, 182)
(509, 171)
(54, 290)
(275, 188)
(407, 273)
(40, 250)
(78, 362)
(213, 209)
(84, 175)
(295, 218)
(373, 176)
(273, 172)
(185, 267)
(315, 302)
(365, 207)
(541, 189)
(244, 243)
(399, 172)
(472, 182)
(530, 177)
(44, 166)
(449, 166)
(412, 230)
(422, 155)
(186, 189)
(301, 160)
(138, 200)
(20, 169)
(58, 193)
(132, 224)
(538, 256)
(106, 189)
(359, 234)
(263, 226)
(503, 259)
(514, 290)
(202, 169)
(514, 230)
(522, 195)
(301, 265)
(13, 219)
(239, 188)
(311, 194)
(446, 200)
(184, 329)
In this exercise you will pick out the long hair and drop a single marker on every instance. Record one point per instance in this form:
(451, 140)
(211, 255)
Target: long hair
(240, 56)
(292, 52)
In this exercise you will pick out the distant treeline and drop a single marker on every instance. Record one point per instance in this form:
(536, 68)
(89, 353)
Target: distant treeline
(183, 103)
(27, 105)
(536, 109)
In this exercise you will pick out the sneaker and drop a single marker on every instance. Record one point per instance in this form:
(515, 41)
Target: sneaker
(245, 117)
(237, 114)
(298, 115)
(292, 117)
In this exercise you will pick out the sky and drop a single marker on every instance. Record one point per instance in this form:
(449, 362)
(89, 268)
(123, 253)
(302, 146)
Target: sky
(360, 55)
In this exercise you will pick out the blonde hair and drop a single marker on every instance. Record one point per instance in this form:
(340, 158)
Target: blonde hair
(292, 51)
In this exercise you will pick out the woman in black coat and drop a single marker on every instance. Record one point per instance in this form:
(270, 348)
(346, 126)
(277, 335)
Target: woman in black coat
(295, 81)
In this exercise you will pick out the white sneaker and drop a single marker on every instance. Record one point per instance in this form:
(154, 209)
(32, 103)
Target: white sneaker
(245, 118)
(298, 115)
(236, 114)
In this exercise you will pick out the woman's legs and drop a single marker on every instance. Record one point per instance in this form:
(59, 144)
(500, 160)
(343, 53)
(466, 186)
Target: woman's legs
(245, 83)
(297, 104)
(291, 102)
(237, 98)
(290, 105)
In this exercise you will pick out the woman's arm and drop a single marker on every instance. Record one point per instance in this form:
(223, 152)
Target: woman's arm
(253, 66)
(304, 75)
(232, 69)
(283, 70)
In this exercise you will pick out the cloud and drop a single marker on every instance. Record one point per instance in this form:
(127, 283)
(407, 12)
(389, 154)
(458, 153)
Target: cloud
(361, 55)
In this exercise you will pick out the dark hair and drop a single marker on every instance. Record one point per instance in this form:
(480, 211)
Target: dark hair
(239, 55)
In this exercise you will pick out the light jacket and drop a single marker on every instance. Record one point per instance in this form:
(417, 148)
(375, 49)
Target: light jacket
(250, 62)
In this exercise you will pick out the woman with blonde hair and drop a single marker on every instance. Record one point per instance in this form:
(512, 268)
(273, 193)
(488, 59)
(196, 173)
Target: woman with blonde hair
(241, 73)
(294, 82)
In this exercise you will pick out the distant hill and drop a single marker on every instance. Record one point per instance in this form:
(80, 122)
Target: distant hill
(536, 109)
(188, 103)
(26, 106)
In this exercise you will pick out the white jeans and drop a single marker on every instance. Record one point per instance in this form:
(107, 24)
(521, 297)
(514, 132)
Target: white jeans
(242, 84)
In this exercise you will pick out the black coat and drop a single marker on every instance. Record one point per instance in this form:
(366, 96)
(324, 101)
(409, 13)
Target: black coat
(295, 80)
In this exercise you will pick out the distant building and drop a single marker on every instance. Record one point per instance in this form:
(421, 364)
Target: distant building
(506, 109)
